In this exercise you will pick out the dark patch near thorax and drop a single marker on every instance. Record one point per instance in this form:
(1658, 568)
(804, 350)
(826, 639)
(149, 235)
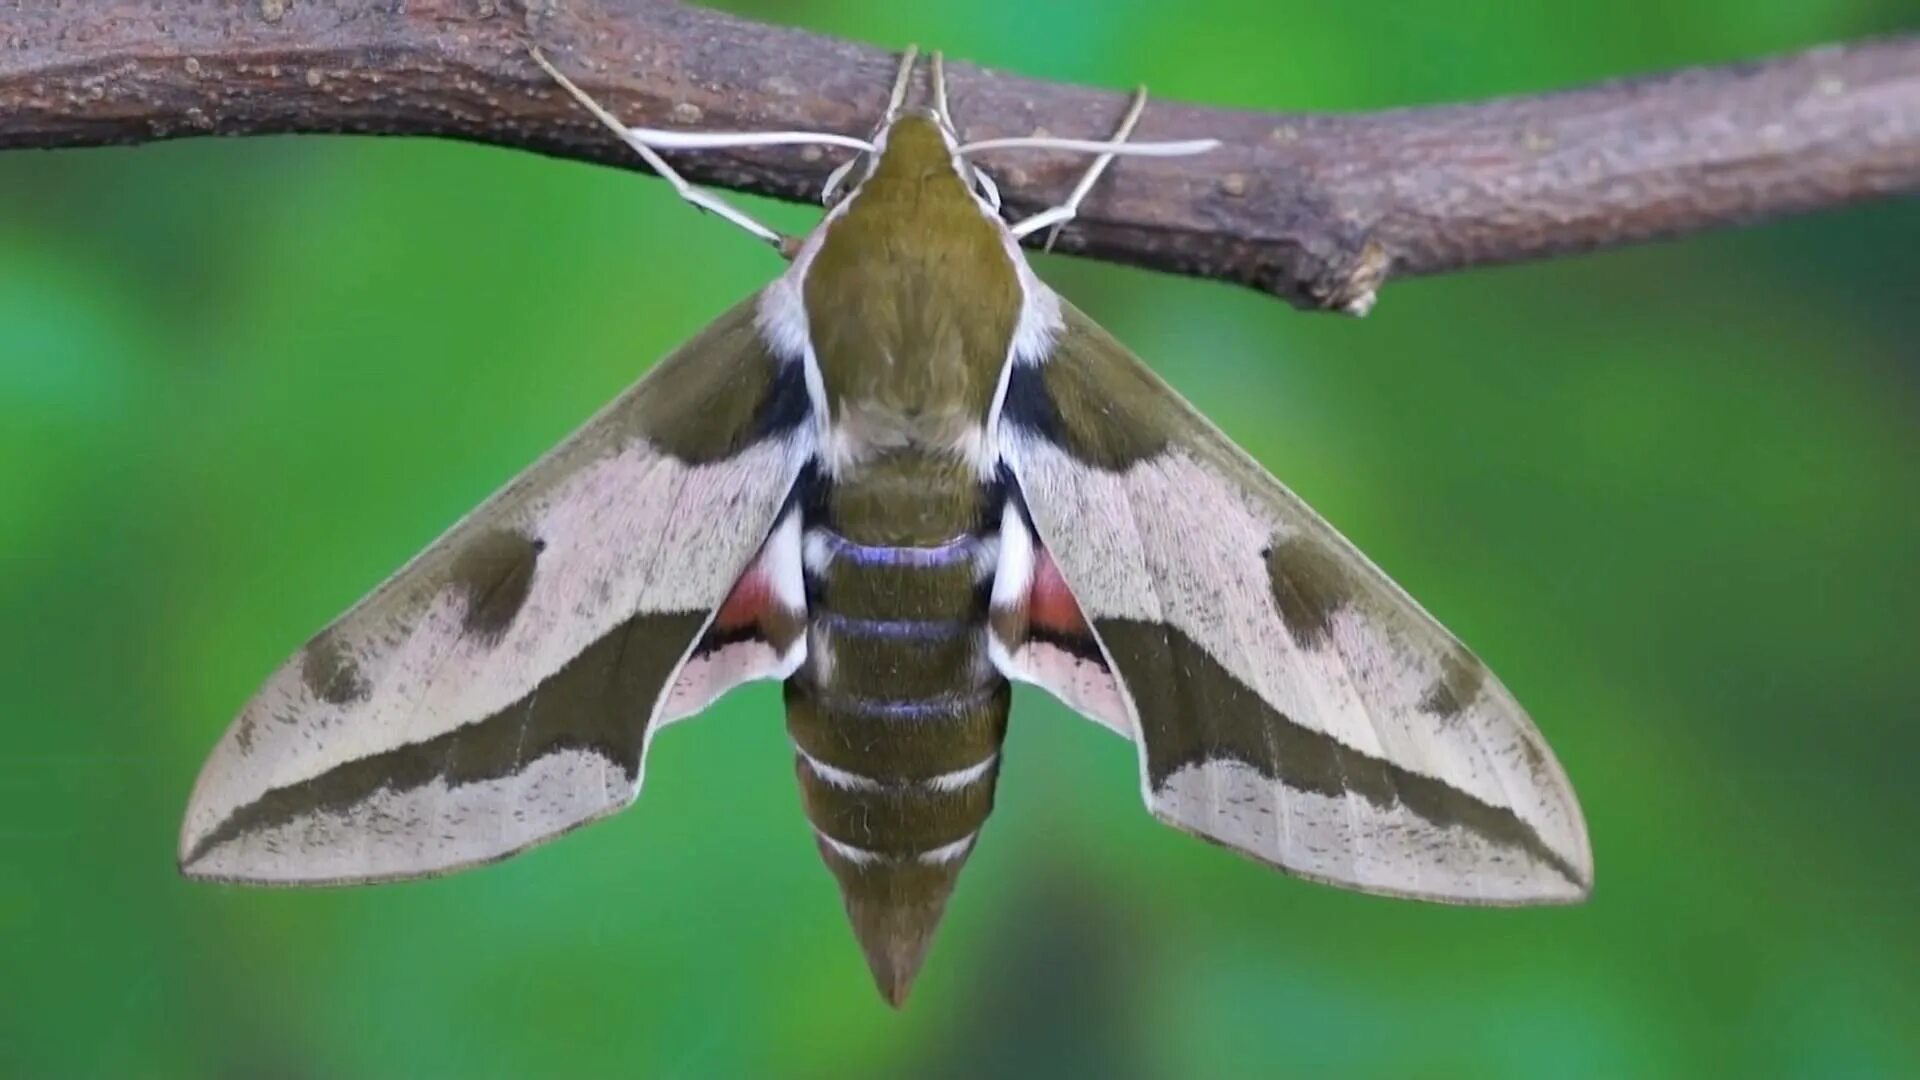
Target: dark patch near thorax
(721, 393)
(1093, 400)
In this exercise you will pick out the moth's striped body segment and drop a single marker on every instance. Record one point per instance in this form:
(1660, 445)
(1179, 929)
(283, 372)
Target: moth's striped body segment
(898, 714)
(901, 476)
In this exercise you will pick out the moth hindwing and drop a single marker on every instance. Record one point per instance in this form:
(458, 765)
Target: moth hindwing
(899, 477)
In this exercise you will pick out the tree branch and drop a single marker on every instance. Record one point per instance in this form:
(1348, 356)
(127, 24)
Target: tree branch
(1320, 209)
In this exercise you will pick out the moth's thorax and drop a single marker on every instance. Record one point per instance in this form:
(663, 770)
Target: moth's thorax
(911, 301)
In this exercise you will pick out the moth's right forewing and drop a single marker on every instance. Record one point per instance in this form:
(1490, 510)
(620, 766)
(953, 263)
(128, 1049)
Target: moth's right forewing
(1289, 700)
(503, 686)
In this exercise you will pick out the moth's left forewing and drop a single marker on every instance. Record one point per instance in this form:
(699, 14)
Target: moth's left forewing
(1289, 700)
(502, 688)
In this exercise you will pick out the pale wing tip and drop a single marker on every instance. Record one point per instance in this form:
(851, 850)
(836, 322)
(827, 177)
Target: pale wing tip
(1550, 886)
(1557, 880)
(193, 858)
(193, 867)
(1568, 869)
(1574, 897)
(196, 864)
(1550, 879)
(1581, 884)
(193, 830)
(1557, 889)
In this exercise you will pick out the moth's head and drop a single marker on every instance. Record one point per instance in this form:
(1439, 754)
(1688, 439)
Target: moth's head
(916, 142)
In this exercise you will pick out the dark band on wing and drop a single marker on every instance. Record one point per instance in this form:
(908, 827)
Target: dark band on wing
(1191, 711)
(599, 701)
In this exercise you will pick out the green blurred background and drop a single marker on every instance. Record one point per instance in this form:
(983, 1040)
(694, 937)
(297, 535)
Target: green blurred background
(1671, 494)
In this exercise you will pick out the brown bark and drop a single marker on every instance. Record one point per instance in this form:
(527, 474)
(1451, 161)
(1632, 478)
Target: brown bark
(1320, 209)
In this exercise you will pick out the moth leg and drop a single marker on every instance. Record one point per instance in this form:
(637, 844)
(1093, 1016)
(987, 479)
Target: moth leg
(1058, 216)
(705, 200)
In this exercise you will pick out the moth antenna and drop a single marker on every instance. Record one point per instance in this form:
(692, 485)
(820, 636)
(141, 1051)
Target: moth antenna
(665, 139)
(1056, 217)
(1171, 148)
(704, 200)
(940, 91)
(902, 79)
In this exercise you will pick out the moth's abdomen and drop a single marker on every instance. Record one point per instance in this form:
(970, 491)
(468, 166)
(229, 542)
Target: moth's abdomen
(897, 716)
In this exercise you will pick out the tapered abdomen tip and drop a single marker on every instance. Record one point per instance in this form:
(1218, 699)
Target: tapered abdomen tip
(895, 906)
(895, 941)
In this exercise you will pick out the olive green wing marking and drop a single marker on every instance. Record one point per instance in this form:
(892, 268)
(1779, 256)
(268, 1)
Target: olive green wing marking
(503, 686)
(1289, 700)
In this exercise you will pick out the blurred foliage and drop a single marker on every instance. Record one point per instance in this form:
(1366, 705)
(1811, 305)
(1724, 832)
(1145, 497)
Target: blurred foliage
(1671, 493)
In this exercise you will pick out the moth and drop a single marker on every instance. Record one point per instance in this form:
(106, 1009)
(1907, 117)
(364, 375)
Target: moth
(899, 478)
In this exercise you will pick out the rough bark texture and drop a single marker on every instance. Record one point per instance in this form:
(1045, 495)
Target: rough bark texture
(1320, 209)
